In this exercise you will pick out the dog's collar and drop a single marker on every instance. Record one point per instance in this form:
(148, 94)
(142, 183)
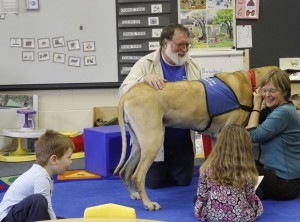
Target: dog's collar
(252, 79)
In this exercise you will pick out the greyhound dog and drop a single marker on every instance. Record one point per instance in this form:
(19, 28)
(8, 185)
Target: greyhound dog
(183, 104)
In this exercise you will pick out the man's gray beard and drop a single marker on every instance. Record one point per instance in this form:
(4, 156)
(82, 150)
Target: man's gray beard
(178, 60)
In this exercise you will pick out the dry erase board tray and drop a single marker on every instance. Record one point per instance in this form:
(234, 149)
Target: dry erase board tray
(61, 86)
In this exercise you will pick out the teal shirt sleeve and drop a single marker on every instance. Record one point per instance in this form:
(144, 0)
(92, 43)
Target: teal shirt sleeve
(275, 124)
(279, 137)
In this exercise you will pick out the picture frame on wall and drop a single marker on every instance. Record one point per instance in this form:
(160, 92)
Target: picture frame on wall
(74, 61)
(200, 16)
(73, 45)
(58, 42)
(44, 56)
(153, 21)
(156, 32)
(89, 46)
(156, 8)
(28, 43)
(59, 57)
(247, 9)
(28, 56)
(32, 5)
(15, 42)
(43, 43)
(90, 60)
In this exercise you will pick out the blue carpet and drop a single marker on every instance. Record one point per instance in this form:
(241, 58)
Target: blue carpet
(71, 198)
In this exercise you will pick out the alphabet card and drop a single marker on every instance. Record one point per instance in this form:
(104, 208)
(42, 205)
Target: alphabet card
(247, 9)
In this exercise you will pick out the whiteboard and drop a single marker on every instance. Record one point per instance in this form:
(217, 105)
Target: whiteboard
(61, 18)
(212, 62)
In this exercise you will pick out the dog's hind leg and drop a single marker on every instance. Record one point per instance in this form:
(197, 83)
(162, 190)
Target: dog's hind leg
(129, 167)
(150, 143)
(126, 175)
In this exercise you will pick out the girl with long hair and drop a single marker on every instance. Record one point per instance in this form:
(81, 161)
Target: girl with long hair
(227, 180)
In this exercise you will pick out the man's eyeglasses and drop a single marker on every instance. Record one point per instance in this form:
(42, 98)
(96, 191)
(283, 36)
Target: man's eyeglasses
(272, 91)
(182, 45)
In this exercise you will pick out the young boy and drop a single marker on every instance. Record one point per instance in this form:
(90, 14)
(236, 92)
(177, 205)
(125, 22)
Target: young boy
(29, 197)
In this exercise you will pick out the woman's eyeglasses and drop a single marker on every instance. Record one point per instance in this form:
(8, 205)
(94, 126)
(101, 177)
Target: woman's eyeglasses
(272, 91)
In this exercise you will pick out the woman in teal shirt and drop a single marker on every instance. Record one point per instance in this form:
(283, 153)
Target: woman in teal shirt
(279, 137)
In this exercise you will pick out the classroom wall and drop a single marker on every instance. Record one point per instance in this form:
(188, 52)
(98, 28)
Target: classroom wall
(70, 109)
(295, 88)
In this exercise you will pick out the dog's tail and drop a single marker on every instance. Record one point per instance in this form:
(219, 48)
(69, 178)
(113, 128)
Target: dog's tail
(123, 133)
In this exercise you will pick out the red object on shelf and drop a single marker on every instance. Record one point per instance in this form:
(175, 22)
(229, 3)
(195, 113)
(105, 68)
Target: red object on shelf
(78, 142)
(206, 140)
(77, 139)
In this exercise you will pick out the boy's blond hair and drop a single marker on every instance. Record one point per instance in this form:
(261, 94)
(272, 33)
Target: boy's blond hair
(231, 161)
(51, 143)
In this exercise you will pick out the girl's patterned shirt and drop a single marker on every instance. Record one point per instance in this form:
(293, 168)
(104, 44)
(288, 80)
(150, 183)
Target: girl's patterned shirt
(220, 203)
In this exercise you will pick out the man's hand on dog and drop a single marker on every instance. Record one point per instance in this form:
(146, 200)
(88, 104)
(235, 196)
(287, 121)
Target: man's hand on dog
(155, 81)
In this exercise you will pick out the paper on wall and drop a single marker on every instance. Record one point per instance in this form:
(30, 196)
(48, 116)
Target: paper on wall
(9, 6)
(244, 36)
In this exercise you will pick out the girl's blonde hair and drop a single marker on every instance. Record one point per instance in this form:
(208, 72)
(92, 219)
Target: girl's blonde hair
(231, 161)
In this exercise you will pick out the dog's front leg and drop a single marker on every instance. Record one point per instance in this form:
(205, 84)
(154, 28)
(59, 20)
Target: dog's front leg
(139, 179)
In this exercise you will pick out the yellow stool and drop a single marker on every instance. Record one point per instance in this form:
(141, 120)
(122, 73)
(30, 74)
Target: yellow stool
(110, 210)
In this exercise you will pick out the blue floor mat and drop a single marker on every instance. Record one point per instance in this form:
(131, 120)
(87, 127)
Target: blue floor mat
(71, 198)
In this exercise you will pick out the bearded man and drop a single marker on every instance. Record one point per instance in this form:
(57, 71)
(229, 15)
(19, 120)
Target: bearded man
(174, 164)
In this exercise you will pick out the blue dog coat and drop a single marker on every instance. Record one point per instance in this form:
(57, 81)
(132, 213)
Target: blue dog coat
(219, 97)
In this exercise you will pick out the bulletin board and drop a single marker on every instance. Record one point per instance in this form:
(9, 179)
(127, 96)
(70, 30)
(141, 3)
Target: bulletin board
(68, 44)
(75, 44)
(275, 33)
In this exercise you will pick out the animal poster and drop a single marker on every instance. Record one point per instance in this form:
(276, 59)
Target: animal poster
(247, 9)
(211, 22)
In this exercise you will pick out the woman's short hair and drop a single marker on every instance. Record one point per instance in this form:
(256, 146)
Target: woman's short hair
(281, 80)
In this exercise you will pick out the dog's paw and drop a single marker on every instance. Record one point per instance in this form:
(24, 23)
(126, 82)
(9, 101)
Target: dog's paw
(135, 196)
(152, 206)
